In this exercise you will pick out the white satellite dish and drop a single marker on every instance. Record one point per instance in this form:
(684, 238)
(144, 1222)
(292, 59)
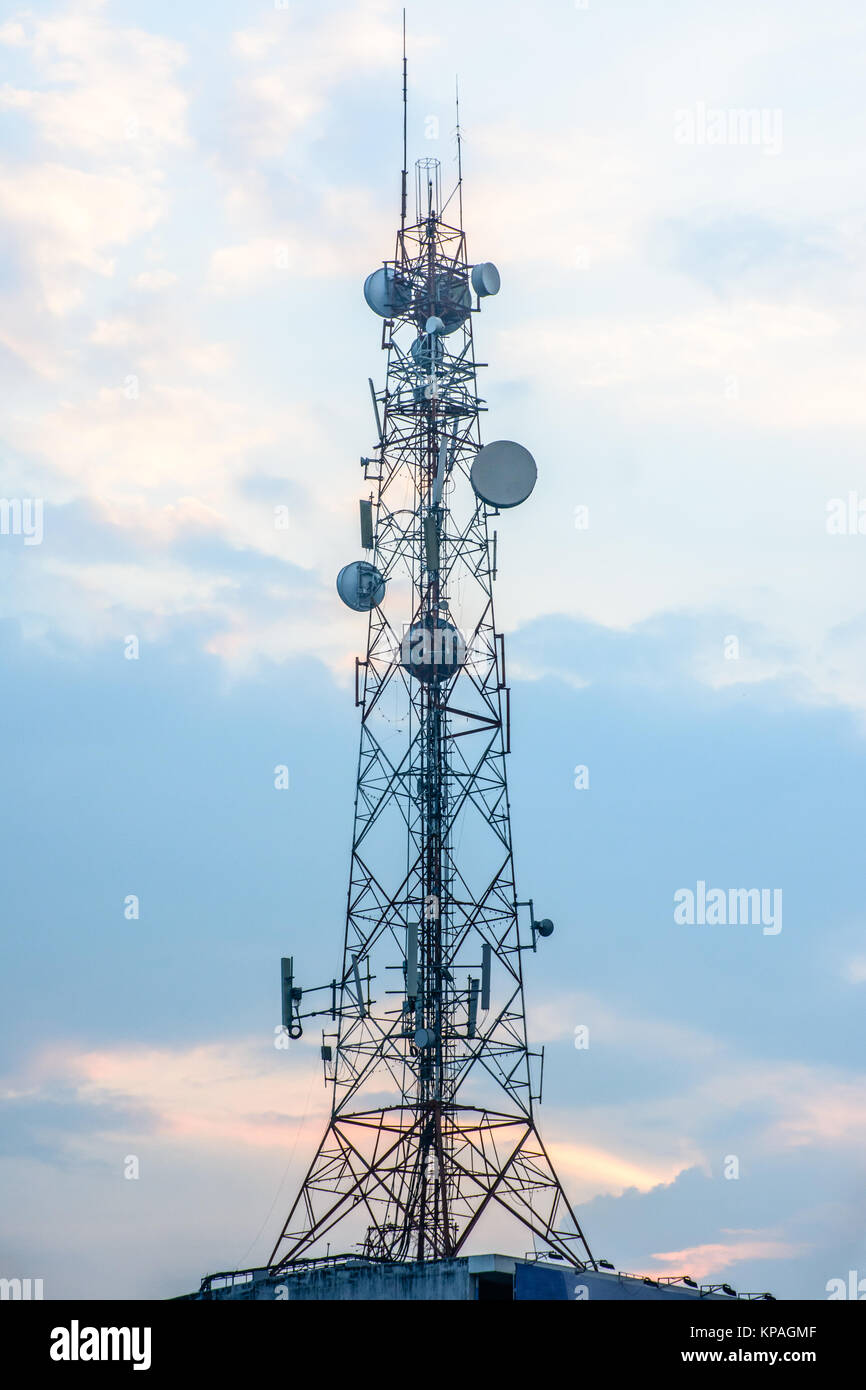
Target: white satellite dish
(386, 295)
(503, 473)
(360, 586)
(485, 279)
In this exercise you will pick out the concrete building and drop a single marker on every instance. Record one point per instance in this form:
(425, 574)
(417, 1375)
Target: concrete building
(502, 1278)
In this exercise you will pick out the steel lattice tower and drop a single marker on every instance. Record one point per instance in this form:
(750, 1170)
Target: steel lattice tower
(433, 1081)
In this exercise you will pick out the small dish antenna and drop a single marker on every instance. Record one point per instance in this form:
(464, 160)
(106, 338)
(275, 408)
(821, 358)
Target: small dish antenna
(360, 586)
(485, 279)
(503, 473)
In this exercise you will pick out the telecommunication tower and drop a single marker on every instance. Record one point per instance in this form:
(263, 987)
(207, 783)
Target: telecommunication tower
(425, 1048)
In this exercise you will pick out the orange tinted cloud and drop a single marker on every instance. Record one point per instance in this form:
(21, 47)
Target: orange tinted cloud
(246, 1092)
(700, 1261)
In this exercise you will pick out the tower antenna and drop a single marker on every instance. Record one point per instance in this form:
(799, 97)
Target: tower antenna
(405, 158)
(425, 1049)
(459, 151)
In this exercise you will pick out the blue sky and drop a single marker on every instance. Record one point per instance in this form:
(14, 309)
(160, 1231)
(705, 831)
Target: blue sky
(191, 197)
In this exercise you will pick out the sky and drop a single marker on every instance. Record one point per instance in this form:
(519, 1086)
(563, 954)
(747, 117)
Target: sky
(191, 197)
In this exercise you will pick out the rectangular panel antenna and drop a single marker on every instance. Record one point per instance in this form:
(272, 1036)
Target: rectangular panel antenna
(473, 1007)
(412, 960)
(485, 977)
(366, 524)
(287, 978)
(431, 541)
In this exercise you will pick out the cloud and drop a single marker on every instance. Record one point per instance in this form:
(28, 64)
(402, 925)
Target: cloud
(151, 280)
(751, 354)
(742, 255)
(329, 237)
(588, 1171)
(592, 177)
(701, 1097)
(738, 531)
(213, 1126)
(261, 262)
(679, 340)
(292, 67)
(66, 223)
(557, 1016)
(171, 439)
(246, 1092)
(101, 89)
(827, 1111)
(701, 1261)
(76, 1108)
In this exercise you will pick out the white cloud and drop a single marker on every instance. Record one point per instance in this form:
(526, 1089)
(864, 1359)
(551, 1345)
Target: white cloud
(629, 343)
(303, 64)
(101, 88)
(263, 261)
(68, 222)
(789, 365)
(775, 1107)
(171, 440)
(154, 280)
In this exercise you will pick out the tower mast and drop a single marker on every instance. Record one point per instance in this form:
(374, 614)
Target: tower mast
(432, 1080)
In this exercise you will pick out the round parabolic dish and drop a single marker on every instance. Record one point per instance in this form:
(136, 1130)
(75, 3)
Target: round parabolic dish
(503, 473)
(485, 279)
(422, 351)
(385, 294)
(432, 651)
(360, 586)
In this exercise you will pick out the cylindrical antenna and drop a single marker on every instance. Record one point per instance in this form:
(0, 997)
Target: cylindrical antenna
(439, 480)
(359, 989)
(375, 409)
